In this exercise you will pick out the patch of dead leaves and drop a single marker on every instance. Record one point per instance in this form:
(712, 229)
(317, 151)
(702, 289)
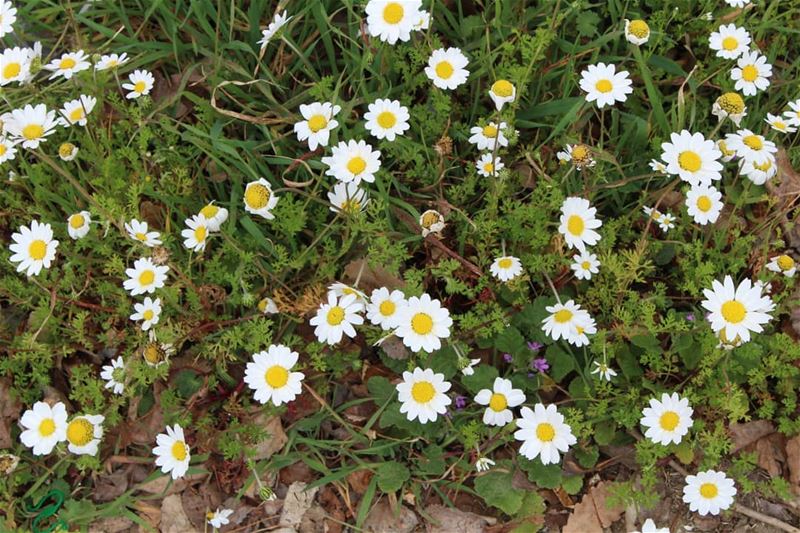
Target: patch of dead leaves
(592, 513)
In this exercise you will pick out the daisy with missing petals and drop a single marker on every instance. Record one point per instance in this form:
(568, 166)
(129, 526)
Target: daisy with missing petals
(502, 92)
(145, 277)
(8, 151)
(736, 310)
(777, 123)
(138, 231)
(353, 161)
(488, 165)
(578, 223)
(729, 41)
(337, 318)
(15, 65)
(84, 433)
(579, 155)
(141, 83)
(484, 464)
(386, 119)
(667, 420)
(729, 105)
(114, 375)
(67, 151)
(278, 22)
(111, 61)
(348, 198)
(423, 20)
(604, 85)
(172, 452)
(149, 312)
(570, 322)
(34, 248)
(603, 371)
(752, 73)
(8, 16)
(215, 216)
(75, 111)
(267, 306)
(650, 527)
(506, 268)
(658, 166)
(467, 365)
(543, 434)
(383, 307)
(422, 323)
(759, 172)
(44, 427)
(270, 375)
(693, 158)
(793, 115)
(784, 264)
(422, 395)
(68, 64)
(637, 31)
(489, 136)
(78, 225)
(498, 400)
(584, 265)
(342, 289)
(704, 203)
(317, 123)
(728, 155)
(196, 233)
(391, 20)
(431, 221)
(259, 200)
(447, 68)
(30, 125)
(219, 518)
(737, 3)
(750, 146)
(709, 492)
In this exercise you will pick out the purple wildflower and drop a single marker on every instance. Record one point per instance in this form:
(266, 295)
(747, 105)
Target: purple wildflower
(461, 402)
(535, 346)
(507, 357)
(540, 364)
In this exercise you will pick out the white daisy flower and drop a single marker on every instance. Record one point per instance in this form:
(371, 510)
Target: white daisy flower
(138, 231)
(506, 268)
(317, 123)
(603, 84)
(383, 307)
(348, 198)
(650, 527)
(498, 399)
(43, 427)
(259, 199)
(447, 68)
(68, 64)
(777, 123)
(585, 264)
(8, 150)
(8, 16)
(730, 105)
(422, 395)
(467, 365)
(759, 171)
(34, 56)
(665, 221)
(578, 223)
(423, 20)
(784, 264)
(172, 453)
(752, 73)
(637, 31)
(337, 318)
(728, 155)
(30, 125)
(750, 146)
(34, 248)
(737, 3)
(195, 236)
(111, 61)
(149, 312)
(353, 161)
(215, 216)
(220, 517)
(488, 165)
(267, 306)
(502, 92)
(78, 225)
(693, 158)
(141, 83)
(386, 119)
(667, 420)
(578, 155)
(570, 322)
(340, 289)
(270, 376)
(422, 323)
(76, 111)
(84, 433)
(543, 434)
(709, 492)
(114, 374)
(729, 41)
(391, 20)
(489, 137)
(793, 115)
(704, 203)
(736, 310)
(658, 166)
(484, 464)
(67, 151)
(278, 22)
(15, 65)
(603, 371)
(431, 221)
(145, 277)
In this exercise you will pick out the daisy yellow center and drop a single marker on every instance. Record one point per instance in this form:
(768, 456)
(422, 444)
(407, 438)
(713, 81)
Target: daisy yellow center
(386, 120)
(423, 391)
(276, 376)
(387, 308)
(351, 205)
(639, 28)
(580, 330)
(724, 149)
(179, 450)
(490, 131)
(47, 427)
(730, 43)
(785, 262)
(67, 63)
(777, 124)
(669, 420)
(429, 219)
(563, 316)
(604, 86)
(690, 161)
(262, 305)
(112, 63)
(585, 265)
(317, 122)
(139, 87)
(505, 263)
(76, 115)
(731, 103)
(444, 70)
(147, 277)
(32, 131)
(498, 402)
(488, 168)
(580, 152)
(200, 233)
(763, 167)
(393, 13)
(37, 250)
(335, 316)
(80, 432)
(11, 70)
(575, 225)
(257, 196)
(65, 150)
(422, 323)
(356, 165)
(210, 515)
(754, 142)
(153, 353)
(708, 490)
(704, 204)
(503, 88)
(148, 314)
(545, 432)
(733, 311)
(76, 221)
(3, 149)
(209, 211)
(749, 73)
(141, 236)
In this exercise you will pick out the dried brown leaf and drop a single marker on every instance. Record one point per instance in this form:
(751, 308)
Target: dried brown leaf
(742, 435)
(592, 514)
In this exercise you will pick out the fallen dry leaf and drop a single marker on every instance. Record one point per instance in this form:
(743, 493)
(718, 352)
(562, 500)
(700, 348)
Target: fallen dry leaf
(159, 485)
(742, 435)
(793, 461)
(382, 518)
(9, 413)
(276, 440)
(370, 277)
(445, 520)
(298, 500)
(770, 454)
(173, 518)
(110, 525)
(592, 514)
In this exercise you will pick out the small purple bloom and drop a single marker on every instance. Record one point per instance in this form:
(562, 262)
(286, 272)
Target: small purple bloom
(690, 317)
(535, 346)
(507, 357)
(461, 402)
(540, 364)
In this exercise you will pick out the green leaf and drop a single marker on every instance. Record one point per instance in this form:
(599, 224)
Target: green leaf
(684, 452)
(510, 341)
(431, 461)
(482, 378)
(587, 457)
(647, 342)
(546, 476)
(587, 22)
(604, 433)
(561, 362)
(497, 490)
(187, 382)
(380, 388)
(572, 484)
(628, 363)
(391, 476)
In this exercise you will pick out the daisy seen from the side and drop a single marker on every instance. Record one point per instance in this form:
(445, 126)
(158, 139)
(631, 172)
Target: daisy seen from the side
(777, 123)
(215, 216)
(348, 198)
(502, 92)
(579, 155)
(279, 20)
(114, 375)
(219, 518)
(730, 105)
(784, 264)
(111, 61)
(139, 231)
(8, 16)
(68, 64)
(604, 371)
(75, 112)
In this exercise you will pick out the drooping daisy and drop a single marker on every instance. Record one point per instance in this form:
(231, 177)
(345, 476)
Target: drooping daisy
(729, 41)
(603, 371)
(759, 172)
(704, 203)
(543, 434)
(259, 199)
(637, 31)
(502, 92)
(383, 307)
(195, 236)
(729, 105)
(709, 492)
(658, 166)
(84, 433)
(579, 155)
(141, 83)
(111, 61)
(728, 155)
(220, 517)
(78, 225)
(752, 73)
(467, 365)
(736, 310)
(68, 64)
(793, 115)
(76, 111)
(422, 323)
(317, 123)
(8, 16)
(585, 264)
(67, 151)
(578, 223)
(386, 119)
(447, 68)
(139, 231)
(34, 58)
(14, 65)
(172, 453)
(737, 3)
(337, 318)
(431, 221)
(693, 158)
(353, 161)
(215, 216)
(488, 165)
(114, 374)
(145, 277)
(784, 264)
(278, 22)
(422, 395)
(149, 312)
(506, 268)
(498, 400)
(342, 289)
(750, 146)
(270, 375)
(667, 420)
(34, 248)
(777, 123)
(392, 20)
(650, 527)
(44, 427)
(30, 125)
(348, 198)
(568, 321)
(484, 464)
(489, 137)
(267, 306)
(604, 85)
(8, 150)
(423, 20)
